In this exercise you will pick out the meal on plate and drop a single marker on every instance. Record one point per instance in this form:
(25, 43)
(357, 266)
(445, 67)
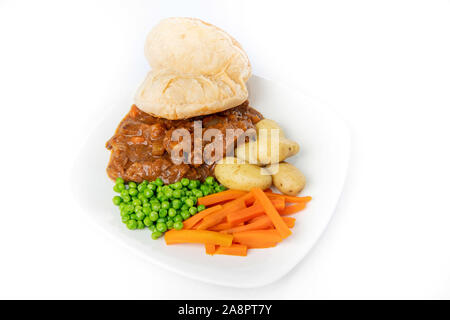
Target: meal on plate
(192, 159)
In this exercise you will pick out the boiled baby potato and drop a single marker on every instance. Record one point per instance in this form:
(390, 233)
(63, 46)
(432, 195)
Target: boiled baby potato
(234, 173)
(268, 125)
(288, 179)
(262, 152)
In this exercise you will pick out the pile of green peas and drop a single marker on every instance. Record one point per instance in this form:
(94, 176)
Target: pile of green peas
(161, 207)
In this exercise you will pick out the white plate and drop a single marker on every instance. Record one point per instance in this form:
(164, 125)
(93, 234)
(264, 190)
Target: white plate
(325, 147)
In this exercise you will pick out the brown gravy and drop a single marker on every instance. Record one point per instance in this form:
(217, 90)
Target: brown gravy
(141, 146)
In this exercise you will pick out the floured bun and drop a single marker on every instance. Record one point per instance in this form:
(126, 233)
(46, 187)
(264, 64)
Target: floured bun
(197, 69)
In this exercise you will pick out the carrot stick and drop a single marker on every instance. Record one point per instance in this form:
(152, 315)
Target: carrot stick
(198, 236)
(210, 248)
(233, 250)
(293, 208)
(290, 222)
(221, 226)
(220, 197)
(251, 212)
(134, 111)
(289, 199)
(224, 226)
(257, 238)
(273, 214)
(260, 223)
(192, 221)
(249, 199)
(217, 217)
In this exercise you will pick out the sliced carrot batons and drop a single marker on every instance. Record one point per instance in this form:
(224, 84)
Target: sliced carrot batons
(273, 214)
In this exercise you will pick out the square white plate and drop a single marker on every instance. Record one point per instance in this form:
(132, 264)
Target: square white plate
(324, 155)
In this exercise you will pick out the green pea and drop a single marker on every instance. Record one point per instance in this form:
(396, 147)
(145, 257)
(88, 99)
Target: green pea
(129, 208)
(189, 202)
(147, 221)
(146, 205)
(162, 213)
(178, 225)
(194, 199)
(168, 193)
(185, 215)
(132, 224)
(163, 220)
(159, 189)
(117, 189)
(156, 206)
(209, 180)
(133, 191)
(142, 197)
(176, 204)
(140, 216)
(120, 180)
(156, 235)
(185, 182)
(177, 185)
(189, 193)
(172, 212)
(217, 189)
(178, 218)
(192, 184)
(152, 228)
(117, 200)
(137, 202)
(138, 209)
(132, 184)
(201, 208)
(122, 206)
(152, 187)
(146, 210)
(165, 205)
(154, 216)
(133, 216)
(197, 193)
(176, 194)
(161, 227)
(185, 207)
(193, 210)
(147, 193)
(159, 182)
(124, 193)
(140, 225)
(125, 218)
(141, 187)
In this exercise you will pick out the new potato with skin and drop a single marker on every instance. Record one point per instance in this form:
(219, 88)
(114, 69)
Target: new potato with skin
(267, 124)
(262, 152)
(236, 174)
(288, 179)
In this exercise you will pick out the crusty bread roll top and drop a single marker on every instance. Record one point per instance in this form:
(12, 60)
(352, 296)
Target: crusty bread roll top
(197, 69)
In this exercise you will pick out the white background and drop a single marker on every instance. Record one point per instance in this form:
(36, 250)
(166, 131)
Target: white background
(384, 66)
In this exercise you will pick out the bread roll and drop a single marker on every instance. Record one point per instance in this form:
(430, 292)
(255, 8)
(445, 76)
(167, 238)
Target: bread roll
(197, 69)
